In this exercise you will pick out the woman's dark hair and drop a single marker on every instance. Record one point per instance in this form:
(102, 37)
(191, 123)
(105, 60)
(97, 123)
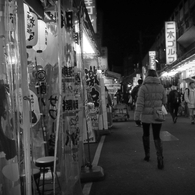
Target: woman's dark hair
(140, 81)
(152, 73)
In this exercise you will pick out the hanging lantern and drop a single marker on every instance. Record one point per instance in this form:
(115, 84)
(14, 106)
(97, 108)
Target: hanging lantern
(31, 27)
(42, 37)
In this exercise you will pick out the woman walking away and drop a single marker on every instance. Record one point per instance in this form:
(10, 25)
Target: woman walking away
(151, 97)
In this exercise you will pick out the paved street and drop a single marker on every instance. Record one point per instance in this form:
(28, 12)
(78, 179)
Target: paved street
(126, 173)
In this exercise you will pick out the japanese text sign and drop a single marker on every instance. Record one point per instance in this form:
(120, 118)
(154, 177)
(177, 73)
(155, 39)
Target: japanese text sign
(91, 8)
(170, 38)
(152, 60)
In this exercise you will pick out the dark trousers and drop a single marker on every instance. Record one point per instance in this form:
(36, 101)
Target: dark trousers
(155, 129)
(173, 109)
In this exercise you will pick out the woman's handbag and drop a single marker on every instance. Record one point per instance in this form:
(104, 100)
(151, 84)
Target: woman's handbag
(159, 115)
(164, 110)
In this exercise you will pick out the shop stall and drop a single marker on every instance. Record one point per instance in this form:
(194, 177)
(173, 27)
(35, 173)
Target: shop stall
(45, 88)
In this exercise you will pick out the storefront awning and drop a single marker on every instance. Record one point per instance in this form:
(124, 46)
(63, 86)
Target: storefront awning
(90, 31)
(113, 74)
(180, 66)
(128, 79)
(187, 38)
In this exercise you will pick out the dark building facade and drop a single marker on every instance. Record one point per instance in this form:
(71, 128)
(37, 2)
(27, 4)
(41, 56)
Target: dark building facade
(182, 67)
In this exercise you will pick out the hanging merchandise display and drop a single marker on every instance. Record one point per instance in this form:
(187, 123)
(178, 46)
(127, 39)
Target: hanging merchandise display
(15, 142)
(25, 167)
(57, 85)
(93, 92)
(70, 128)
(49, 91)
(9, 164)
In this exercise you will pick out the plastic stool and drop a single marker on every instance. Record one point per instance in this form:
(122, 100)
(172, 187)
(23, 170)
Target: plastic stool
(43, 163)
(36, 174)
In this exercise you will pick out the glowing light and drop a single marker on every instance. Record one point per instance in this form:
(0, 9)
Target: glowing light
(87, 47)
(181, 68)
(99, 71)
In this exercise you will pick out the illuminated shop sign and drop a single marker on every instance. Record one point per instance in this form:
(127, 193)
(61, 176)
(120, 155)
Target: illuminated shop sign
(190, 72)
(170, 38)
(152, 60)
(91, 8)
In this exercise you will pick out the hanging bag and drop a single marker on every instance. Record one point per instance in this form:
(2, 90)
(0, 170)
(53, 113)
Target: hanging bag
(158, 115)
(164, 110)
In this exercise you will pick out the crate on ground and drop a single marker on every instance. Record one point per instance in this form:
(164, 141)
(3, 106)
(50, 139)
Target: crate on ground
(120, 112)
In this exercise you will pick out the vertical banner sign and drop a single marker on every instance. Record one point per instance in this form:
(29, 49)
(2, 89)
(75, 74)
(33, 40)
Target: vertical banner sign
(71, 82)
(170, 38)
(91, 8)
(152, 60)
(93, 89)
(92, 82)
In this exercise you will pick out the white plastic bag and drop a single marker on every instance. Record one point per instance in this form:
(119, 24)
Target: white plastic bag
(164, 110)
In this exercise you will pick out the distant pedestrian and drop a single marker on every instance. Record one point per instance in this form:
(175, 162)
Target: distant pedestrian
(174, 101)
(189, 97)
(134, 92)
(151, 96)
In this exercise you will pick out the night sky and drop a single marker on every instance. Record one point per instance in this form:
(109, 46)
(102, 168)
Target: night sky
(123, 20)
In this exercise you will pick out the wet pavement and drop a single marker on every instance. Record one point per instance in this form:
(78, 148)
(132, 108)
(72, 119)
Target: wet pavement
(126, 173)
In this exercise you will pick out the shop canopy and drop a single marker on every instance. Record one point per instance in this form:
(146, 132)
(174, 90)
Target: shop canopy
(128, 79)
(180, 65)
(89, 34)
(113, 75)
(36, 6)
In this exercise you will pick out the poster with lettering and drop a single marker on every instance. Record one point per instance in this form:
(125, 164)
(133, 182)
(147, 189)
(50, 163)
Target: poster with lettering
(43, 81)
(93, 88)
(69, 130)
(88, 130)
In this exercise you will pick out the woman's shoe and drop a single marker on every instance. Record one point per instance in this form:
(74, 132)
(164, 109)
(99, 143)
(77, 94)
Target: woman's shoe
(147, 158)
(159, 151)
(175, 120)
(146, 143)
